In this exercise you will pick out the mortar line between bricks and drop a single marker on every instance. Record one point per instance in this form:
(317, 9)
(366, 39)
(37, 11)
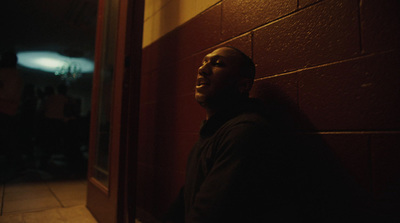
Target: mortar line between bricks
(360, 27)
(325, 65)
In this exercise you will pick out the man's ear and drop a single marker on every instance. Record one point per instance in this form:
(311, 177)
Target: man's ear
(245, 85)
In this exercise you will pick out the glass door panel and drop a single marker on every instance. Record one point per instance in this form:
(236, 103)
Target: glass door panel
(105, 91)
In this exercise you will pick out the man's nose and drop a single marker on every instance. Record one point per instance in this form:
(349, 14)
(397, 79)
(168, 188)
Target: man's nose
(204, 69)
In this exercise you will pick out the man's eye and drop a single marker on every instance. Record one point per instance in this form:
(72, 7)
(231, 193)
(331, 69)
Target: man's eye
(218, 63)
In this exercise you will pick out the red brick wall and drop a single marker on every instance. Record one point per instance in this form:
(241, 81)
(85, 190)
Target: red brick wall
(337, 60)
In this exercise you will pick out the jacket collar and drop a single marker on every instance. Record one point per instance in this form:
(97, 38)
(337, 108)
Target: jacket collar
(211, 125)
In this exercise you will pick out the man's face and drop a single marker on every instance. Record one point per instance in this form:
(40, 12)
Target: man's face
(218, 77)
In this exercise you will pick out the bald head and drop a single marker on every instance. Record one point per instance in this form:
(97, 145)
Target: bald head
(247, 66)
(226, 74)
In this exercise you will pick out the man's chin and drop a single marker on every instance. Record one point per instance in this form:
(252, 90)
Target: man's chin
(200, 99)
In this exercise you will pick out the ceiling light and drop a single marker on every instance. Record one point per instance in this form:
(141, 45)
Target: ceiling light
(53, 62)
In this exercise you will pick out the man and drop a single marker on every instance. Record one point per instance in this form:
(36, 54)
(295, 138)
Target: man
(225, 77)
(245, 167)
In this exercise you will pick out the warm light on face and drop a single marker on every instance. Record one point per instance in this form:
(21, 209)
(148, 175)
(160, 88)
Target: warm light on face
(51, 61)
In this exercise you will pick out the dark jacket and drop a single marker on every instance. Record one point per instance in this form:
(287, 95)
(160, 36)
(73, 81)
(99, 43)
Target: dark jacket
(247, 168)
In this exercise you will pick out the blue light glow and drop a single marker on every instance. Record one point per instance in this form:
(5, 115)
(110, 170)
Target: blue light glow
(52, 62)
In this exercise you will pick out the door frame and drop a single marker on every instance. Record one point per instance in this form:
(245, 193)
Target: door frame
(117, 202)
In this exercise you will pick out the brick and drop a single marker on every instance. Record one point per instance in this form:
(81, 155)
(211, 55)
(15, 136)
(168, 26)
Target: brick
(303, 3)
(180, 114)
(361, 94)
(319, 34)
(159, 53)
(148, 86)
(146, 60)
(386, 171)
(189, 115)
(173, 150)
(193, 36)
(243, 43)
(241, 16)
(146, 148)
(352, 151)
(279, 94)
(167, 186)
(201, 32)
(380, 23)
(145, 184)
(177, 78)
(385, 166)
(186, 74)
(280, 87)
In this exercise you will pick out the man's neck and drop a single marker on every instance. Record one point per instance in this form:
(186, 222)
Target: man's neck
(209, 113)
(224, 106)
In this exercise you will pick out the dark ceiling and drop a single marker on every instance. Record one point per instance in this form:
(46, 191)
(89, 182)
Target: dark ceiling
(64, 26)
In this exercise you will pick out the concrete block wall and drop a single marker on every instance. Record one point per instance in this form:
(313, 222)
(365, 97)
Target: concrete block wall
(338, 61)
(162, 16)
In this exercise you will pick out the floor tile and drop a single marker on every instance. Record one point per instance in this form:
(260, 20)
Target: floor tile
(69, 193)
(11, 219)
(30, 205)
(51, 216)
(32, 198)
(27, 195)
(1, 195)
(77, 214)
(24, 187)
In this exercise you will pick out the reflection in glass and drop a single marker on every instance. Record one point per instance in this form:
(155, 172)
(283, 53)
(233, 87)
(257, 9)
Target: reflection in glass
(106, 73)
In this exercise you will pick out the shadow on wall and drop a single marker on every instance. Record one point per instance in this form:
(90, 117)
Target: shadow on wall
(318, 173)
(282, 108)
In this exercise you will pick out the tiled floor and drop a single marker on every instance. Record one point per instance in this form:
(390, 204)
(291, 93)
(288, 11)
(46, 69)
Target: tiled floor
(34, 197)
